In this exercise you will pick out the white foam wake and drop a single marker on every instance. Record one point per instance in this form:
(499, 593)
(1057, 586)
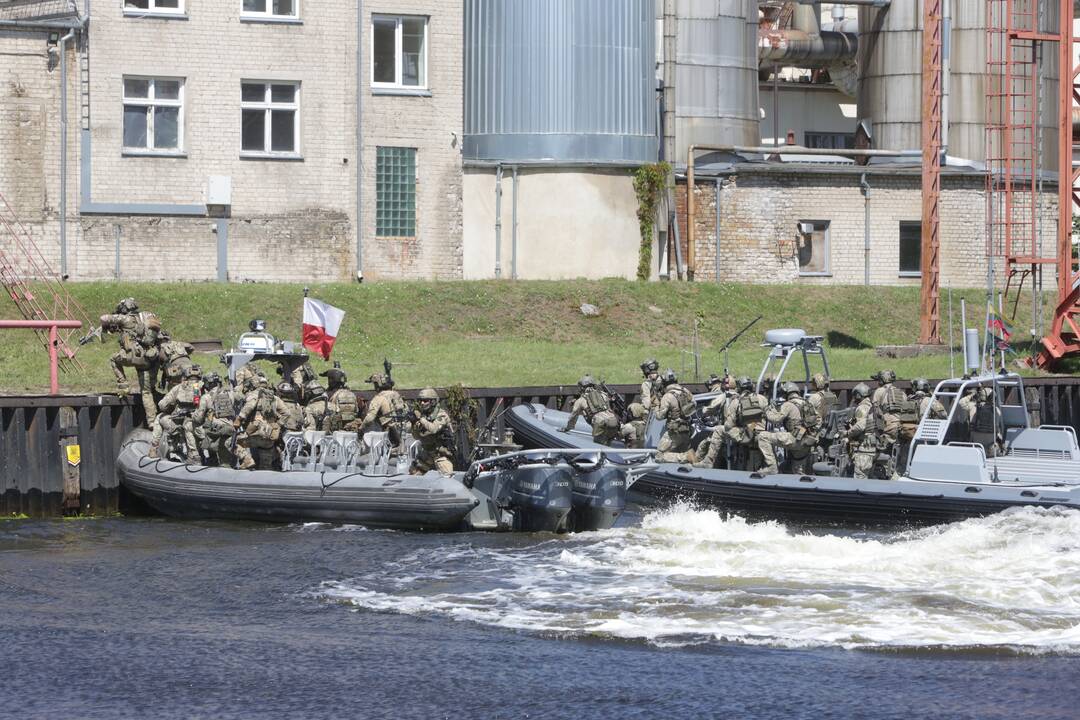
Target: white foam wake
(692, 576)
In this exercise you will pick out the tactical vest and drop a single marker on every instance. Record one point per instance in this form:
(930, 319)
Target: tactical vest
(751, 409)
(595, 401)
(875, 422)
(294, 420)
(223, 406)
(984, 418)
(829, 402)
(893, 399)
(345, 407)
(147, 329)
(687, 406)
(811, 420)
(909, 412)
(187, 397)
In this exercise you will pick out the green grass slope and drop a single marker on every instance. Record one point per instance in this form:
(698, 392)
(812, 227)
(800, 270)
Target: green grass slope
(513, 333)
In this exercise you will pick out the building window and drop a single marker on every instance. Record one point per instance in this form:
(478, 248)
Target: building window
(395, 192)
(158, 7)
(270, 123)
(813, 239)
(910, 249)
(829, 141)
(399, 52)
(271, 9)
(153, 114)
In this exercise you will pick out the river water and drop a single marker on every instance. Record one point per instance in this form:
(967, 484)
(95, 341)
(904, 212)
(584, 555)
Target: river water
(676, 613)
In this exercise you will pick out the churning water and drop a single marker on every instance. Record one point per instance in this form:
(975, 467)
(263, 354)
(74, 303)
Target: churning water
(688, 576)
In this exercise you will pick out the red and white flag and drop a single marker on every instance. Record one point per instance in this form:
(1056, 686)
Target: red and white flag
(321, 325)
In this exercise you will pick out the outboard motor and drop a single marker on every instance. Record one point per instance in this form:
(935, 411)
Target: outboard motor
(541, 497)
(599, 497)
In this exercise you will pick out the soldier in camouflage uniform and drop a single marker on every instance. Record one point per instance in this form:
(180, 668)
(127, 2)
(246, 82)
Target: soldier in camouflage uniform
(174, 358)
(175, 418)
(677, 407)
(865, 435)
(432, 428)
(315, 409)
(796, 423)
(632, 432)
(386, 412)
(744, 418)
(138, 350)
(217, 408)
(342, 409)
(293, 421)
(822, 398)
(651, 389)
(260, 420)
(595, 406)
(710, 449)
(896, 410)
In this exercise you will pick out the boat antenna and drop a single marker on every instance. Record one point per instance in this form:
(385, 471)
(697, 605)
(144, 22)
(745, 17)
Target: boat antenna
(734, 338)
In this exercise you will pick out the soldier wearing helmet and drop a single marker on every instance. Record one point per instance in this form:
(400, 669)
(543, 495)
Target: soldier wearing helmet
(744, 418)
(983, 416)
(138, 333)
(651, 389)
(342, 409)
(214, 417)
(595, 406)
(632, 431)
(259, 422)
(432, 428)
(315, 407)
(865, 435)
(175, 416)
(822, 397)
(293, 421)
(386, 412)
(710, 449)
(897, 409)
(677, 408)
(924, 399)
(794, 432)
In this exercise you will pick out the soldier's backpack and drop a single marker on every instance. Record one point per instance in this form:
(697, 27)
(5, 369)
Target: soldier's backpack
(595, 400)
(223, 406)
(909, 412)
(893, 400)
(984, 418)
(345, 406)
(687, 406)
(810, 417)
(751, 409)
(829, 402)
(149, 325)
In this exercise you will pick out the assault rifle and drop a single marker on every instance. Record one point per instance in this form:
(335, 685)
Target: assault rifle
(387, 366)
(724, 350)
(618, 402)
(92, 335)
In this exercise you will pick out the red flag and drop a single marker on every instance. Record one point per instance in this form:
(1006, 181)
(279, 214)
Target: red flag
(321, 325)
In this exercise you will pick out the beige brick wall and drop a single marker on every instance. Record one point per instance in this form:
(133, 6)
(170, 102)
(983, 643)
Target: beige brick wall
(760, 210)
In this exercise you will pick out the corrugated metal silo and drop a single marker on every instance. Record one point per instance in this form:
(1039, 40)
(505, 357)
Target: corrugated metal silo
(716, 86)
(560, 81)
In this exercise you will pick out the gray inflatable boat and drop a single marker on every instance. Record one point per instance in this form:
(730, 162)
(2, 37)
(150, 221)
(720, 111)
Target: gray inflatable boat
(540, 491)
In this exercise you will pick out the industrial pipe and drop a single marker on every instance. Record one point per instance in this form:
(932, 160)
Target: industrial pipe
(690, 214)
(806, 50)
(359, 159)
(498, 221)
(867, 3)
(62, 45)
(865, 185)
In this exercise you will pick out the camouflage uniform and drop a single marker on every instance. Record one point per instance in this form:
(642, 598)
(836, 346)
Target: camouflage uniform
(175, 416)
(744, 419)
(215, 415)
(984, 419)
(175, 360)
(676, 408)
(595, 406)
(866, 438)
(632, 433)
(791, 433)
(711, 449)
(431, 427)
(293, 420)
(316, 409)
(386, 411)
(651, 389)
(260, 419)
(138, 350)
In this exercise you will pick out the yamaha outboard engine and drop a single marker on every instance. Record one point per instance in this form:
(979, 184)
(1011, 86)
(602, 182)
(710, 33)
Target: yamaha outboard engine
(541, 497)
(599, 497)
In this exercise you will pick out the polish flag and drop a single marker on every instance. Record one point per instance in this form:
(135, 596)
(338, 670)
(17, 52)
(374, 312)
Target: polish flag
(321, 325)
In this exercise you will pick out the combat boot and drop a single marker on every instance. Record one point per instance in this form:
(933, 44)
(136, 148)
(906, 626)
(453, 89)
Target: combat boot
(154, 452)
(248, 463)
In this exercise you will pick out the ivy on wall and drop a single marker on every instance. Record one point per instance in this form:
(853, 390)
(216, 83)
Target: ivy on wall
(649, 183)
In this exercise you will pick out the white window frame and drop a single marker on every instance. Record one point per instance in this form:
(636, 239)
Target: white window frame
(827, 270)
(268, 105)
(269, 15)
(150, 102)
(398, 64)
(153, 10)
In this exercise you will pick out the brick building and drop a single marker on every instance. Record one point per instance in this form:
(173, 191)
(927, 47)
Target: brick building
(219, 138)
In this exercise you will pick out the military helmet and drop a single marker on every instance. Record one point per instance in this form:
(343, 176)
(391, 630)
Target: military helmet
(314, 389)
(650, 366)
(790, 388)
(920, 385)
(637, 411)
(211, 379)
(586, 381)
(745, 383)
(819, 381)
(335, 376)
(192, 371)
(127, 305)
(886, 376)
(669, 377)
(860, 391)
(713, 381)
(286, 391)
(428, 394)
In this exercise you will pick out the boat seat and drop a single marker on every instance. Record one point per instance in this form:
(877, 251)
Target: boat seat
(1049, 441)
(378, 444)
(1014, 468)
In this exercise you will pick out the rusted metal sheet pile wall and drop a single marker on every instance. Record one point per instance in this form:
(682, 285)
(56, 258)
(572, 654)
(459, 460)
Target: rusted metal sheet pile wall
(37, 479)
(39, 476)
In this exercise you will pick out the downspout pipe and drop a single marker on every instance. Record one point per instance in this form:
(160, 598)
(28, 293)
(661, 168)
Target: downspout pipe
(498, 221)
(359, 143)
(865, 185)
(62, 46)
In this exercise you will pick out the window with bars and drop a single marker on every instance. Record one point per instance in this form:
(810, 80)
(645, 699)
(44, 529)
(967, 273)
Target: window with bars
(153, 115)
(395, 192)
(269, 119)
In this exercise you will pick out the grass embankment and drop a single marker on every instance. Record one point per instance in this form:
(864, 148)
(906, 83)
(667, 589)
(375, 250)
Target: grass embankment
(514, 333)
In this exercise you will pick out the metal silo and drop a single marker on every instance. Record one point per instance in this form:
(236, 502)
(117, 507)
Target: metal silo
(890, 80)
(560, 81)
(716, 86)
